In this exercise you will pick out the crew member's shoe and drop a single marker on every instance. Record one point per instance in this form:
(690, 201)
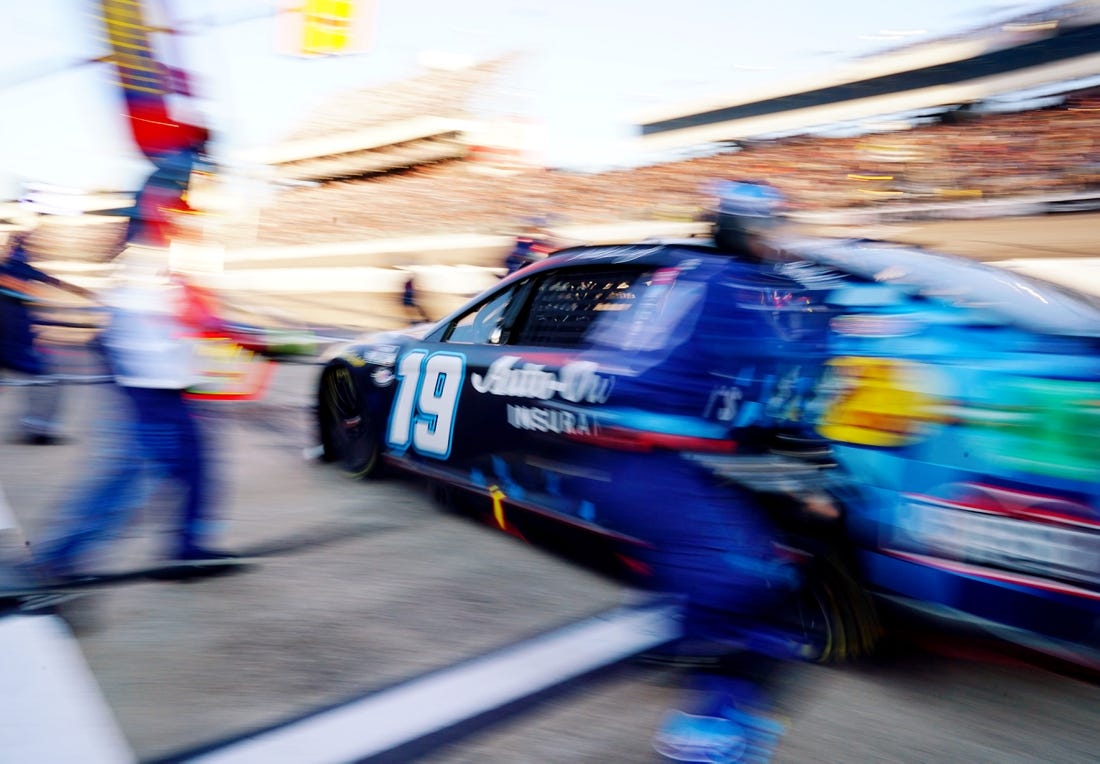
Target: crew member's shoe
(199, 562)
(204, 555)
(732, 737)
(45, 439)
(722, 727)
(690, 737)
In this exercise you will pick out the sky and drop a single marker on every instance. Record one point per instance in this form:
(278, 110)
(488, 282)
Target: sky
(588, 67)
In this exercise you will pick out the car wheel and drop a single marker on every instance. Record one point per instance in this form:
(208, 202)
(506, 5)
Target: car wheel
(348, 434)
(834, 619)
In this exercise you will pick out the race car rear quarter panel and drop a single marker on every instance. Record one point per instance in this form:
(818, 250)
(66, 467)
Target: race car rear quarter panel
(966, 402)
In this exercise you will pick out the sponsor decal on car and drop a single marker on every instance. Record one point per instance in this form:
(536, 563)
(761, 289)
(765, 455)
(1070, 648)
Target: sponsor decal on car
(353, 357)
(556, 421)
(576, 381)
(872, 325)
(381, 355)
(1003, 530)
(1037, 426)
(784, 394)
(880, 401)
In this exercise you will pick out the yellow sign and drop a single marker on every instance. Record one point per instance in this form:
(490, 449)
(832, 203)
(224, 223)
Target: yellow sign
(326, 27)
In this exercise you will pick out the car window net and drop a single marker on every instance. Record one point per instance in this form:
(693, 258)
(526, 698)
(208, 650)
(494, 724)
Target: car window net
(658, 319)
(566, 304)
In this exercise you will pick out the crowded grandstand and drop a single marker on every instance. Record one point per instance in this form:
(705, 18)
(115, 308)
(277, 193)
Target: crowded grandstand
(434, 182)
(996, 155)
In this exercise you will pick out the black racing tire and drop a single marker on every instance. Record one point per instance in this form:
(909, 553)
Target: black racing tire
(834, 619)
(349, 435)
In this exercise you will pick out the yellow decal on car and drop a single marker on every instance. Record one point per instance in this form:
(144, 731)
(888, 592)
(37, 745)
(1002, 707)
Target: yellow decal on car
(879, 402)
(497, 496)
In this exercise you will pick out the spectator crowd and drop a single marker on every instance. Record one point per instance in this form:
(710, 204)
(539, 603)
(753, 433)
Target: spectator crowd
(991, 155)
(974, 155)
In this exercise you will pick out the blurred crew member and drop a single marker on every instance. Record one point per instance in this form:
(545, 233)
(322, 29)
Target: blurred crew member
(149, 347)
(533, 244)
(746, 219)
(720, 551)
(154, 322)
(413, 310)
(19, 349)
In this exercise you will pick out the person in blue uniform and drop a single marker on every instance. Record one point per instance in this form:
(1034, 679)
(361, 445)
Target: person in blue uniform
(20, 350)
(717, 553)
(414, 312)
(532, 244)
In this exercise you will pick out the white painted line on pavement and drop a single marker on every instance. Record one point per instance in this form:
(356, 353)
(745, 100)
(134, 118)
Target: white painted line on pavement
(434, 703)
(51, 709)
(7, 518)
(13, 544)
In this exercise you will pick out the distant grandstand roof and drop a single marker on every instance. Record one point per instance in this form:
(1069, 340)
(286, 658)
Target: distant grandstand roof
(1014, 57)
(437, 93)
(413, 121)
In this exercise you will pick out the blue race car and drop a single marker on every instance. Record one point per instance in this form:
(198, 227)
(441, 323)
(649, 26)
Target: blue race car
(894, 421)
(964, 405)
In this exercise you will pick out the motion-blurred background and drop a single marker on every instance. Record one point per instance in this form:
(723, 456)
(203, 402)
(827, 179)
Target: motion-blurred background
(354, 140)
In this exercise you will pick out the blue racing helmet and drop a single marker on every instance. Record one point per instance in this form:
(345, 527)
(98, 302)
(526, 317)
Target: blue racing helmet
(749, 200)
(743, 209)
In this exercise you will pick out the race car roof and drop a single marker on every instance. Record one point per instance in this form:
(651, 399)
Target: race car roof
(1024, 301)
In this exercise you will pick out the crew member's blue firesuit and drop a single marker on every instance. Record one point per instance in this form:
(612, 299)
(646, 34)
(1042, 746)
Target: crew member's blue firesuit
(714, 544)
(529, 247)
(19, 350)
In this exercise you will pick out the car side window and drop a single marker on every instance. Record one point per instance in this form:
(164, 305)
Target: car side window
(482, 324)
(567, 303)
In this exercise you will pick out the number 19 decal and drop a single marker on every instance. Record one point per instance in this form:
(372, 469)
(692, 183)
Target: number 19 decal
(423, 414)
